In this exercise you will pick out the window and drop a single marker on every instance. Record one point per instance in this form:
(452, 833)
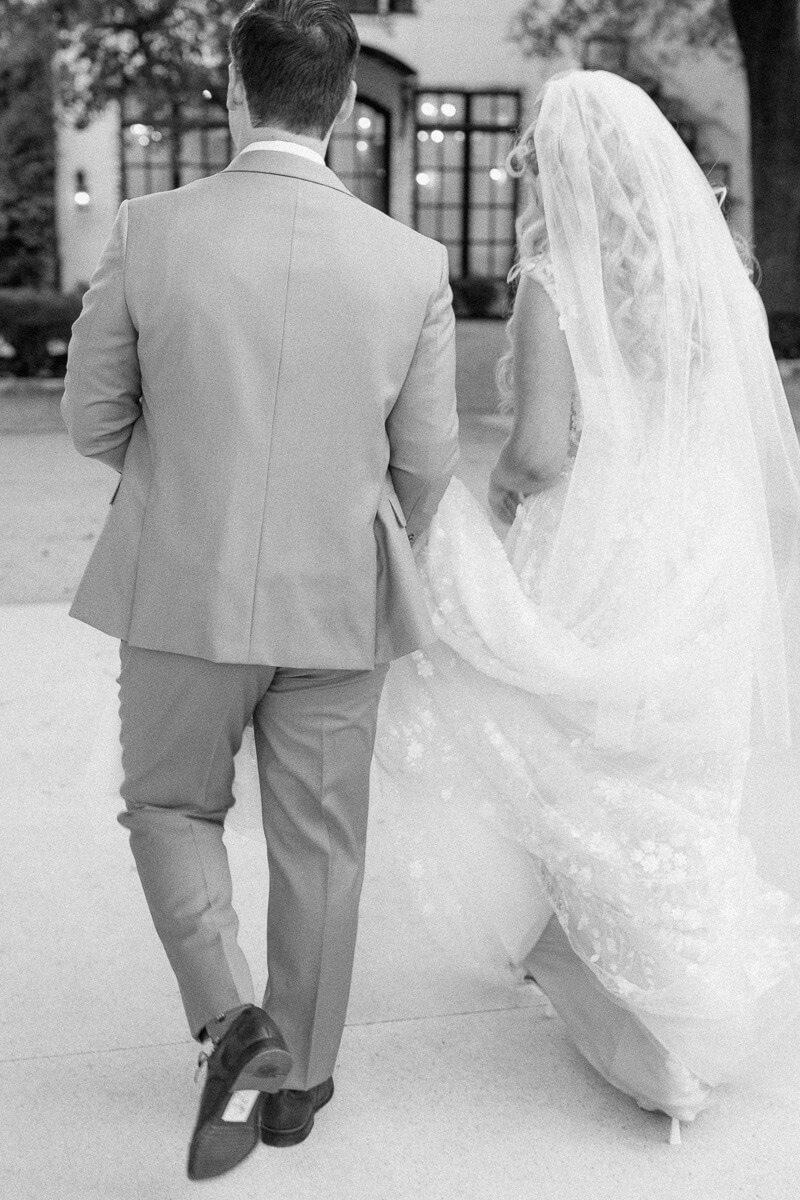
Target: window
(464, 196)
(380, 6)
(359, 153)
(185, 143)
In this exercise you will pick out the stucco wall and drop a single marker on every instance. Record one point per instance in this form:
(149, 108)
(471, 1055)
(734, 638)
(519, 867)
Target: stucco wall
(465, 43)
(456, 43)
(82, 232)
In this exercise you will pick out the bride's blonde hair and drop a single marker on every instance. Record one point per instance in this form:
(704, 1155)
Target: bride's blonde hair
(531, 233)
(632, 264)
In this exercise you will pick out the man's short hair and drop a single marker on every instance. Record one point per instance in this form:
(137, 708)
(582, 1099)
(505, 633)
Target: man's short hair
(296, 59)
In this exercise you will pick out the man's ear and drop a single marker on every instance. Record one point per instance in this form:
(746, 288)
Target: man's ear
(346, 111)
(236, 93)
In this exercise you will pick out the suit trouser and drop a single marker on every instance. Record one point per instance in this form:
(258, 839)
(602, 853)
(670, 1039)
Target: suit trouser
(182, 723)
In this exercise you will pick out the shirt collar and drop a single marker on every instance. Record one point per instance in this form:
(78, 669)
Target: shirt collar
(286, 148)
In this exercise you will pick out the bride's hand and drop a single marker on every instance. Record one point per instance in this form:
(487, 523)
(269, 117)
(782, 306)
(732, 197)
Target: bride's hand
(504, 500)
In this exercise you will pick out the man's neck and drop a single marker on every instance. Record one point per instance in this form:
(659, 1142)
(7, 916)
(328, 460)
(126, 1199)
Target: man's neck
(270, 133)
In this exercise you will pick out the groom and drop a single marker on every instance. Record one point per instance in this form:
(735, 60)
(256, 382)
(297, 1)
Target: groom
(269, 365)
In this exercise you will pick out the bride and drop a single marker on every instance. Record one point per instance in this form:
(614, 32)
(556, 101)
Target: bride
(613, 683)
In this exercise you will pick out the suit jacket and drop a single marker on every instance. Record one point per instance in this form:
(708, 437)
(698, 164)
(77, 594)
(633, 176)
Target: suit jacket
(269, 362)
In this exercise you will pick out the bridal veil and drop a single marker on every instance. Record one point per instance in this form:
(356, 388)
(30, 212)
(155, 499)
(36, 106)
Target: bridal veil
(607, 734)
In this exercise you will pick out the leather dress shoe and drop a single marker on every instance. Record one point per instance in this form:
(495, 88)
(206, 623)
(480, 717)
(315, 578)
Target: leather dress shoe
(288, 1117)
(250, 1058)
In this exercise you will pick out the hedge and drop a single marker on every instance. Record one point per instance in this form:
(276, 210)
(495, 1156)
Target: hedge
(480, 296)
(29, 319)
(784, 332)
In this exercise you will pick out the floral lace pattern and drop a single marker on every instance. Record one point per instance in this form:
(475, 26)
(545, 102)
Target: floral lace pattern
(488, 741)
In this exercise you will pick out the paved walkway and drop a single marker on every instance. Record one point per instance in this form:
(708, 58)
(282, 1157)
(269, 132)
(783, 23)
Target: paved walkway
(449, 1085)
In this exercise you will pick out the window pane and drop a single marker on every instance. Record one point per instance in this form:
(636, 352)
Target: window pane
(147, 156)
(483, 150)
(441, 108)
(150, 163)
(481, 224)
(359, 154)
(464, 195)
(219, 147)
(498, 108)
(192, 171)
(191, 147)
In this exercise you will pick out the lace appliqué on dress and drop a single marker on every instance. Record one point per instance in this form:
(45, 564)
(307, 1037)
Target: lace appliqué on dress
(488, 740)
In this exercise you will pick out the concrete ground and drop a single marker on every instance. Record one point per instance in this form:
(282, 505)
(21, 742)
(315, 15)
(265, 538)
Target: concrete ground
(449, 1084)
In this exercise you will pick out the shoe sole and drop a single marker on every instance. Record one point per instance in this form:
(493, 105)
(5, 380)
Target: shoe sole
(216, 1150)
(293, 1137)
(266, 1071)
(221, 1145)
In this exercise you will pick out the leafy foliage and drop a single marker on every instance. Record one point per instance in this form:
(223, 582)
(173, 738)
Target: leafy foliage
(27, 146)
(546, 27)
(763, 36)
(31, 320)
(157, 48)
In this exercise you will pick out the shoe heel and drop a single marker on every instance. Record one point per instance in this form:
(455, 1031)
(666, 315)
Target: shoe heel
(265, 1072)
(287, 1137)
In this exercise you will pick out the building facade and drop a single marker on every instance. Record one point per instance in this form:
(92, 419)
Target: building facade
(442, 92)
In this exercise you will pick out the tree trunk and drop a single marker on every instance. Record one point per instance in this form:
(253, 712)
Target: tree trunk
(768, 34)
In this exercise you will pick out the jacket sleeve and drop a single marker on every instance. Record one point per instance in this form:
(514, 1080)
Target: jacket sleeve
(102, 389)
(423, 425)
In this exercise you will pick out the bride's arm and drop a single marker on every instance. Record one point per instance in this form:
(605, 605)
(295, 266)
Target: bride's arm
(537, 446)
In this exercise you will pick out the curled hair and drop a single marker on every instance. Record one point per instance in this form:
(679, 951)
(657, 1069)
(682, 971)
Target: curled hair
(531, 241)
(635, 271)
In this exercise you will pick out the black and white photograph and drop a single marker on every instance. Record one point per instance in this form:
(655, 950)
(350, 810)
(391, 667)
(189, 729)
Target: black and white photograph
(400, 599)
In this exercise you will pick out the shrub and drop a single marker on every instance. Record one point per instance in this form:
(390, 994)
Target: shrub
(784, 333)
(31, 319)
(27, 146)
(479, 296)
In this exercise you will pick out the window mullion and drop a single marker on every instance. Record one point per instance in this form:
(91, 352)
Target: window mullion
(466, 193)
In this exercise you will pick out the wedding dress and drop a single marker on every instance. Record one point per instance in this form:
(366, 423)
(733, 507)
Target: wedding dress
(570, 769)
(567, 767)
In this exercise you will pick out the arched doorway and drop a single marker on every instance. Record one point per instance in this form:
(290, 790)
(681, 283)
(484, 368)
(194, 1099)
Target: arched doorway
(360, 153)
(372, 153)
